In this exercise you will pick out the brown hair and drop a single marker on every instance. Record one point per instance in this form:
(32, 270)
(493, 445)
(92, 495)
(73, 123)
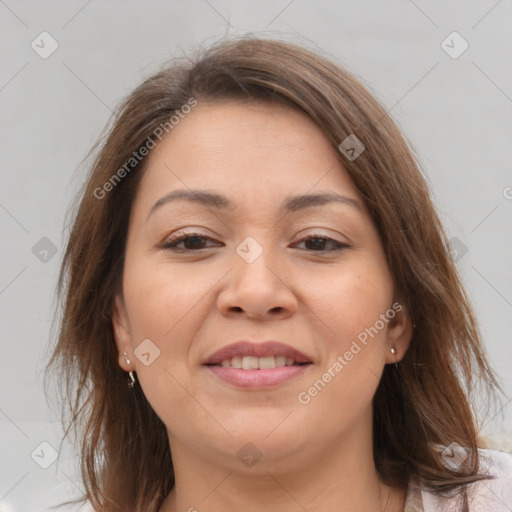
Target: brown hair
(423, 402)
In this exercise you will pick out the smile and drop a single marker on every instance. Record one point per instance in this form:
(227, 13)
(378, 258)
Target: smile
(258, 363)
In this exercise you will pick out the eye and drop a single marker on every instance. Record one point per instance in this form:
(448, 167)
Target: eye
(191, 241)
(319, 242)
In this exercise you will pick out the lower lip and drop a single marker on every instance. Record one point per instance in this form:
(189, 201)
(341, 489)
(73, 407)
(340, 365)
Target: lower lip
(258, 378)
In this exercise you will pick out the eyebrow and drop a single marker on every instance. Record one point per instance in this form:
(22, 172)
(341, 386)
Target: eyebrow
(292, 203)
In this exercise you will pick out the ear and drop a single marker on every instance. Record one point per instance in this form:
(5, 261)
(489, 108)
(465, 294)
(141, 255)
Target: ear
(121, 330)
(400, 329)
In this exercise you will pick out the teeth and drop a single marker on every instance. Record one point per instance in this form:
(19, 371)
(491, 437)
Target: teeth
(249, 363)
(280, 361)
(267, 362)
(255, 363)
(236, 362)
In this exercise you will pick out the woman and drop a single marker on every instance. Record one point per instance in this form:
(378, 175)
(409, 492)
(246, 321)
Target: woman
(260, 311)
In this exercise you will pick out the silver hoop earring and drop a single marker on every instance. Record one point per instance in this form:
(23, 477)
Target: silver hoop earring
(131, 382)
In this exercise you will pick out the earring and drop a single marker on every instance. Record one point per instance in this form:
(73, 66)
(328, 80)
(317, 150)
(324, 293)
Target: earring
(131, 382)
(393, 350)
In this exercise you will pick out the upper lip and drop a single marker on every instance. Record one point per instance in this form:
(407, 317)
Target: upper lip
(263, 349)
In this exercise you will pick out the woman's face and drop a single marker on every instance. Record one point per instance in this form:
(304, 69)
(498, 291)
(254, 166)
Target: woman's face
(248, 273)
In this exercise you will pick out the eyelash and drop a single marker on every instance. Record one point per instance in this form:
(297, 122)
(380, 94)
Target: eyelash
(173, 242)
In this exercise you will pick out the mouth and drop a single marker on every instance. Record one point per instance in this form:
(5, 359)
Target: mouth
(257, 365)
(246, 362)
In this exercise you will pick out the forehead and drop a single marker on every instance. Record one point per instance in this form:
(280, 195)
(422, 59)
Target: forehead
(247, 151)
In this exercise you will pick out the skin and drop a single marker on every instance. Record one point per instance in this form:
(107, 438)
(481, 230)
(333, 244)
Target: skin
(315, 456)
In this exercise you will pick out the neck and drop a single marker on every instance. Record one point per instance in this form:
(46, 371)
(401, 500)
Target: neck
(340, 477)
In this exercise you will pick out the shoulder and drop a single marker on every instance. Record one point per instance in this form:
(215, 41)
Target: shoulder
(497, 462)
(495, 494)
(491, 495)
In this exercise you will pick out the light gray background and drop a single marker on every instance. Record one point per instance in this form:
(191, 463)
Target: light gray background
(455, 112)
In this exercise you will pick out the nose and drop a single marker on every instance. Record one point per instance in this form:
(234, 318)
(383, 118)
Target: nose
(257, 290)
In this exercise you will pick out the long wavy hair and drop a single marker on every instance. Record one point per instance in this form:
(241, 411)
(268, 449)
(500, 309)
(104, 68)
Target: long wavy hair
(423, 402)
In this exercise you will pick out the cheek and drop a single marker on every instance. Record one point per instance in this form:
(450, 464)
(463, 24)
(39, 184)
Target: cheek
(352, 299)
(162, 299)
(160, 306)
(346, 381)
(351, 307)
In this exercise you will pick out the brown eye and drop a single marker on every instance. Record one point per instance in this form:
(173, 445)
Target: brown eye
(318, 244)
(191, 242)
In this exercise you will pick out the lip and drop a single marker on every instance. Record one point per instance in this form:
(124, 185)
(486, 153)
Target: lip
(254, 379)
(264, 349)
